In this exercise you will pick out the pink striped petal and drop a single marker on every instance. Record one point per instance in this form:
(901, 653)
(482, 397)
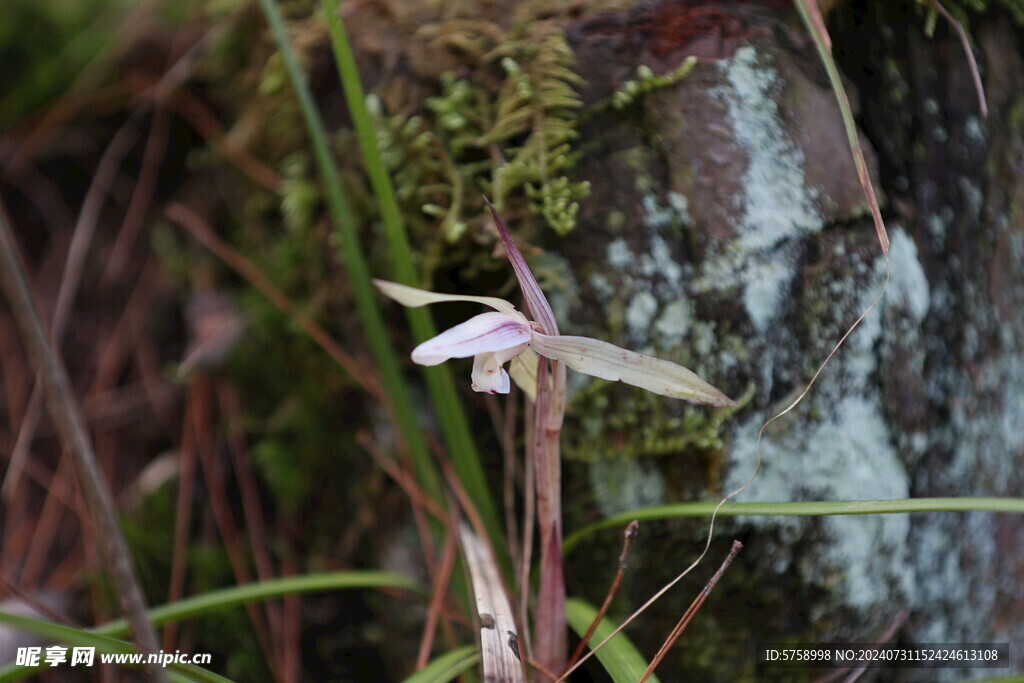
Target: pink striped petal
(484, 333)
(536, 303)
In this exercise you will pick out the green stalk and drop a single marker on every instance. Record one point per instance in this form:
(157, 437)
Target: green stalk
(355, 264)
(452, 418)
(803, 509)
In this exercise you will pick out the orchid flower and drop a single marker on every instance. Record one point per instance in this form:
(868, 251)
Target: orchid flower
(505, 334)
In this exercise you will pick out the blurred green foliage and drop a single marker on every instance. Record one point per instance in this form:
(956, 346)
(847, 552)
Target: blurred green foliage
(44, 47)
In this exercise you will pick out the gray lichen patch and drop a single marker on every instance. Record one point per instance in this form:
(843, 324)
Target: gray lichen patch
(623, 484)
(777, 204)
(839, 445)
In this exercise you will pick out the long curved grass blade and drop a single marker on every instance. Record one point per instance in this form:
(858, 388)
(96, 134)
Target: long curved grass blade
(215, 601)
(83, 638)
(212, 601)
(447, 666)
(355, 265)
(802, 509)
(811, 15)
(619, 657)
(451, 417)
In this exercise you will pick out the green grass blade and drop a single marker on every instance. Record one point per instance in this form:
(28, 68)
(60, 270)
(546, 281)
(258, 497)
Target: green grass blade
(804, 509)
(213, 601)
(619, 656)
(219, 600)
(83, 638)
(452, 418)
(447, 666)
(355, 265)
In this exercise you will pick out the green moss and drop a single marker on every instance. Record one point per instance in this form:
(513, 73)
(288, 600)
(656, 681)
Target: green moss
(647, 81)
(510, 137)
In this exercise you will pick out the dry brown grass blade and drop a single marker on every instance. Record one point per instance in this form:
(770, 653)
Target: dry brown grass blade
(815, 23)
(252, 509)
(499, 640)
(182, 523)
(67, 416)
(85, 229)
(438, 593)
(199, 416)
(691, 611)
(979, 87)
(199, 229)
(632, 529)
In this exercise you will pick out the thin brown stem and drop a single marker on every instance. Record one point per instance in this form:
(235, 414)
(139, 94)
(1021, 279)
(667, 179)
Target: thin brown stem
(692, 611)
(979, 87)
(85, 229)
(404, 480)
(182, 521)
(632, 529)
(66, 415)
(7, 587)
(889, 633)
(438, 594)
(198, 228)
(199, 416)
(252, 509)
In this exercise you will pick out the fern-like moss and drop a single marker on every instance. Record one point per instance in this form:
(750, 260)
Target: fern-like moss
(509, 138)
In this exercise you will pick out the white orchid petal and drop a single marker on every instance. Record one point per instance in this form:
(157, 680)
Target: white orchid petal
(607, 361)
(523, 370)
(414, 298)
(484, 333)
(488, 375)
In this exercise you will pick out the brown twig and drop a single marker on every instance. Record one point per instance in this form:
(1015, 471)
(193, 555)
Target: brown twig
(199, 416)
(979, 87)
(33, 602)
(198, 228)
(67, 417)
(47, 525)
(693, 609)
(889, 633)
(252, 509)
(203, 120)
(404, 480)
(85, 229)
(58, 493)
(438, 594)
(632, 529)
(142, 196)
(182, 522)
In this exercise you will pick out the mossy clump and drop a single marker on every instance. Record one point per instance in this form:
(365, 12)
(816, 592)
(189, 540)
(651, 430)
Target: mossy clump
(506, 128)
